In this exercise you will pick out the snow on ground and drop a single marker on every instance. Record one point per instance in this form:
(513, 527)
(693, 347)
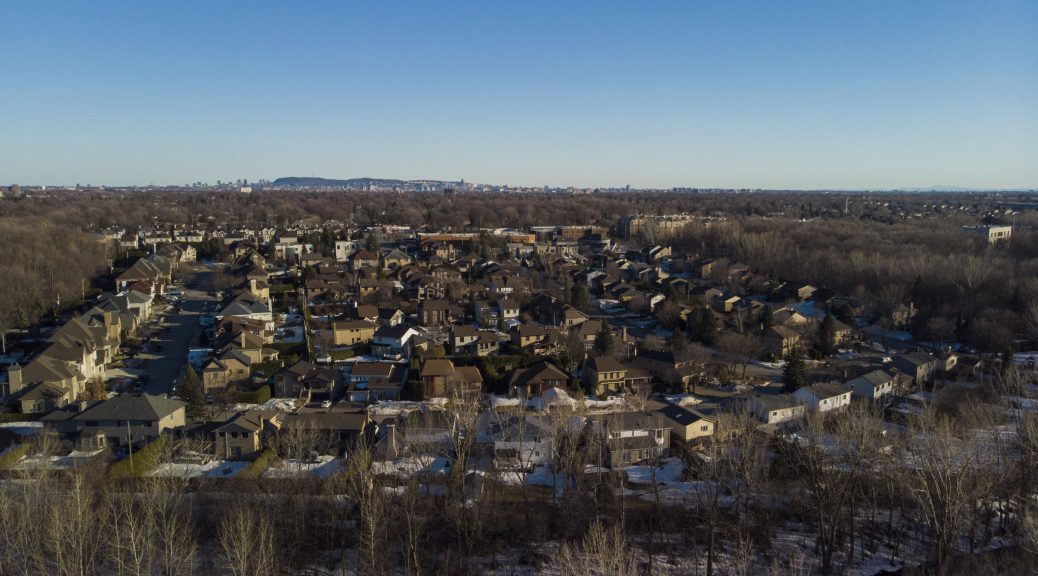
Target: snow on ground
(608, 405)
(323, 467)
(275, 404)
(23, 428)
(683, 399)
(669, 471)
(71, 460)
(397, 407)
(403, 467)
(210, 469)
(501, 402)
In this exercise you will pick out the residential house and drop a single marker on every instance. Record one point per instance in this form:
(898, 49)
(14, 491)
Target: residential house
(463, 340)
(632, 437)
(604, 375)
(520, 442)
(243, 435)
(395, 259)
(374, 381)
(781, 341)
(435, 312)
(876, 384)
(353, 333)
(776, 409)
(533, 381)
(393, 340)
(340, 427)
(824, 396)
(362, 258)
(441, 378)
(691, 425)
(131, 418)
(920, 367)
(664, 366)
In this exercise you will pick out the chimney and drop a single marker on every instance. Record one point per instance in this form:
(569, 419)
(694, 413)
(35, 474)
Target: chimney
(243, 339)
(14, 379)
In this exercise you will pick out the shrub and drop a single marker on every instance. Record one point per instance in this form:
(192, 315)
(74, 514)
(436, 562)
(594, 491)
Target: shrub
(257, 396)
(341, 354)
(259, 465)
(143, 461)
(13, 455)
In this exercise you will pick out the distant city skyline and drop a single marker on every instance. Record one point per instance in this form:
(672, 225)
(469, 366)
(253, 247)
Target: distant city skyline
(808, 96)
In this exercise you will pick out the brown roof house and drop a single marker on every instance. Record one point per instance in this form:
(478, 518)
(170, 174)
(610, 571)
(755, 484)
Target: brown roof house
(244, 434)
(442, 379)
(604, 375)
(133, 418)
(533, 381)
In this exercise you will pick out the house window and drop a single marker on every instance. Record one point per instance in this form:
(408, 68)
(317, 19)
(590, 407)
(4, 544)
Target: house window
(704, 428)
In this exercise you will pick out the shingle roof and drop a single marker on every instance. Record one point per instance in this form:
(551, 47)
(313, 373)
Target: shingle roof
(132, 407)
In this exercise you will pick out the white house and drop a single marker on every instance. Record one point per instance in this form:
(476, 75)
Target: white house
(778, 408)
(393, 340)
(875, 384)
(824, 397)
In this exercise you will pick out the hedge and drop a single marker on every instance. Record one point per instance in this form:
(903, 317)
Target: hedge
(258, 466)
(143, 461)
(341, 354)
(257, 396)
(13, 455)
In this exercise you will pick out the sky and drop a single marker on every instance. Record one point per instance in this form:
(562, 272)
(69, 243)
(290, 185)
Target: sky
(851, 94)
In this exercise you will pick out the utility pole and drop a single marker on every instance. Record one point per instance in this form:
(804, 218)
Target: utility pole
(129, 443)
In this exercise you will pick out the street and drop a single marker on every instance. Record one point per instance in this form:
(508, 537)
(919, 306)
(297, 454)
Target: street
(181, 330)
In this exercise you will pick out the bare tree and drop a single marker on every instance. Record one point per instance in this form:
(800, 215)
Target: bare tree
(246, 537)
(603, 551)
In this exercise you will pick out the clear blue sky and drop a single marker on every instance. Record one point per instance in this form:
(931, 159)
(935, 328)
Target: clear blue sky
(851, 94)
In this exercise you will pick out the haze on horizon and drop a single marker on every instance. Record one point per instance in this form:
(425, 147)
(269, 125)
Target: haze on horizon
(659, 94)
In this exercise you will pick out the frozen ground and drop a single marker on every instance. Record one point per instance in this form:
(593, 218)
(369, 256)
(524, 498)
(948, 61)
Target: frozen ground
(323, 467)
(73, 459)
(211, 469)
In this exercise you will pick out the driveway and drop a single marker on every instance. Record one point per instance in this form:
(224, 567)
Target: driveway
(180, 332)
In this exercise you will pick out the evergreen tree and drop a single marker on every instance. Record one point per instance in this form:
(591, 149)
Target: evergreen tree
(678, 342)
(827, 334)
(845, 313)
(191, 391)
(707, 331)
(578, 296)
(1007, 362)
(794, 375)
(604, 340)
(766, 320)
(373, 243)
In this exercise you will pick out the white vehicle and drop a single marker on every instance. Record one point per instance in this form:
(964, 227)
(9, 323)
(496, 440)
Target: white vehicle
(326, 404)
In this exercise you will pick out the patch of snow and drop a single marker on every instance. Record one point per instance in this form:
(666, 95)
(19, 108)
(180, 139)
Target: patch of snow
(210, 469)
(683, 399)
(322, 467)
(668, 471)
(397, 407)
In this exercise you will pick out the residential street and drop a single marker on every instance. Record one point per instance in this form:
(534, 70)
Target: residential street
(179, 333)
